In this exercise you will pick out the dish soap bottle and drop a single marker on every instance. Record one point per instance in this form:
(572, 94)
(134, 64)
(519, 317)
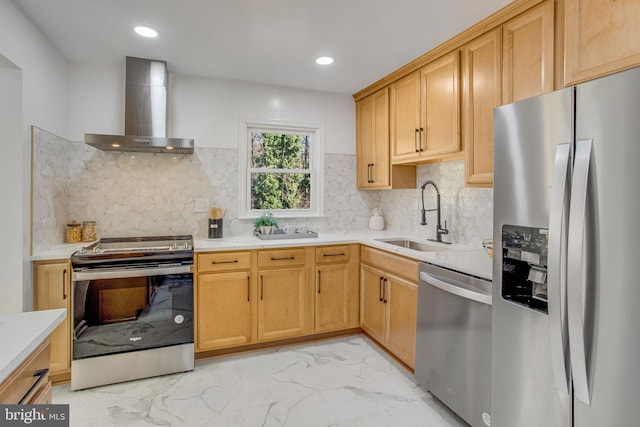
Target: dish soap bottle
(376, 222)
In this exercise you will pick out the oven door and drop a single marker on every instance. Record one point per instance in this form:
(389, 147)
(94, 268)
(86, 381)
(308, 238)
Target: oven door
(118, 310)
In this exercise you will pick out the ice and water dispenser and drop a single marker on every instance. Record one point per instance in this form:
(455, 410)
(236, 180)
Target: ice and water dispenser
(524, 266)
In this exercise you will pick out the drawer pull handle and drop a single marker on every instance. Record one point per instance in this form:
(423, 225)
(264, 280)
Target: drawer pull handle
(380, 288)
(283, 259)
(340, 254)
(41, 374)
(319, 281)
(224, 262)
(64, 284)
(248, 287)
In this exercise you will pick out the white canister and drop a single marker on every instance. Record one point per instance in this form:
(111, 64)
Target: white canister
(376, 222)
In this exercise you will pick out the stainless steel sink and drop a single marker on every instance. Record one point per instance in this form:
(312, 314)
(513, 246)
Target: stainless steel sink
(412, 244)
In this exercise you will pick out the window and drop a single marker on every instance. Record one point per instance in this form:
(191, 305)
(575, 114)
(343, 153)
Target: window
(281, 169)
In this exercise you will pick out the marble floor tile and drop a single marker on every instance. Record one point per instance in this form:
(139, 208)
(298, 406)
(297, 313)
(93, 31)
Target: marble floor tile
(340, 382)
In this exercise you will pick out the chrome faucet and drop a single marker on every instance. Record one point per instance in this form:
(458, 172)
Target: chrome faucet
(439, 229)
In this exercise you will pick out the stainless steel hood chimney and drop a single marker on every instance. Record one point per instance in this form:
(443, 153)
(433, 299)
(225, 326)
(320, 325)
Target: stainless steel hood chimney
(145, 121)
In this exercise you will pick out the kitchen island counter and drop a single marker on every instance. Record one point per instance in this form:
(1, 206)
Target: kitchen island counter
(22, 333)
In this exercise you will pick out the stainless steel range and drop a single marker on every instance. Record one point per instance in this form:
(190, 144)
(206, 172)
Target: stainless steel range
(132, 309)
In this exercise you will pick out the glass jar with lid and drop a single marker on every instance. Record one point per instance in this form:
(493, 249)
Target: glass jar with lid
(89, 231)
(74, 232)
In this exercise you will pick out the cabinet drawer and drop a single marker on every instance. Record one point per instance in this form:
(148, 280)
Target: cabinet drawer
(224, 261)
(398, 265)
(281, 257)
(23, 381)
(327, 254)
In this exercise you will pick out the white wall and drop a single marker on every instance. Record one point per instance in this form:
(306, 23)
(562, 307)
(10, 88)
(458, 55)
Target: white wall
(44, 103)
(11, 186)
(208, 109)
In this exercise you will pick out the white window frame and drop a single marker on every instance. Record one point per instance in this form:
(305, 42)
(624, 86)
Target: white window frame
(316, 167)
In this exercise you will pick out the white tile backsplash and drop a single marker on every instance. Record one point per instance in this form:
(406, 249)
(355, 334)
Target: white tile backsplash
(468, 211)
(151, 194)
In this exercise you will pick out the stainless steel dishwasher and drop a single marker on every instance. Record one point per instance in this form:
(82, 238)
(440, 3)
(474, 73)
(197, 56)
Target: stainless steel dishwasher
(453, 343)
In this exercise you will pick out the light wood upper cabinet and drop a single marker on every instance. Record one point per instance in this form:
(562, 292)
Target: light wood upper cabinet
(374, 169)
(483, 81)
(405, 117)
(512, 62)
(225, 310)
(440, 93)
(372, 143)
(425, 112)
(52, 290)
(528, 52)
(601, 37)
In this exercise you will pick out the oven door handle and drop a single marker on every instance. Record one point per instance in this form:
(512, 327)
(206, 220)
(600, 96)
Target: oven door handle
(130, 272)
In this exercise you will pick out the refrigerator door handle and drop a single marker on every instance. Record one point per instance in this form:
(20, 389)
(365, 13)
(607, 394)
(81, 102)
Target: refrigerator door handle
(580, 265)
(557, 274)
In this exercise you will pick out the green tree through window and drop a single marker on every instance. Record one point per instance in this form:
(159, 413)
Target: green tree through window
(280, 171)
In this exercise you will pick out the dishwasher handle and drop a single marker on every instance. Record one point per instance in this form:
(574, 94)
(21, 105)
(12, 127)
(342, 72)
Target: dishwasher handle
(455, 290)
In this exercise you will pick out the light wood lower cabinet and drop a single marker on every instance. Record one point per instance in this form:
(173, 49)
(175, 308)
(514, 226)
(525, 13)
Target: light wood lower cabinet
(332, 297)
(52, 289)
(225, 300)
(372, 308)
(224, 310)
(389, 301)
(258, 296)
(282, 303)
(402, 318)
(29, 383)
(336, 288)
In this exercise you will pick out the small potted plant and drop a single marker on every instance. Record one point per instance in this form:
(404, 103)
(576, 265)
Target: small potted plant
(266, 223)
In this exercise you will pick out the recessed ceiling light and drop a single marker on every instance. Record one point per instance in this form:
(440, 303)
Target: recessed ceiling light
(146, 32)
(324, 60)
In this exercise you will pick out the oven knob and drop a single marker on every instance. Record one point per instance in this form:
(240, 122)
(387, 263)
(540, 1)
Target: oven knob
(178, 319)
(175, 245)
(83, 250)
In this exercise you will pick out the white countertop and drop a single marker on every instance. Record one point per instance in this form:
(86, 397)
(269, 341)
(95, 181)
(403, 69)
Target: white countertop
(473, 261)
(24, 332)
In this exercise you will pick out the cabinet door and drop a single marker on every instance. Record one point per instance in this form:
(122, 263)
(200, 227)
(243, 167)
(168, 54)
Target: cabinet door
(372, 307)
(405, 118)
(440, 93)
(52, 290)
(402, 317)
(482, 93)
(528, 53)
(372, 142)
(223, 310)
(601, 37)
(281, 303)
(332, 297)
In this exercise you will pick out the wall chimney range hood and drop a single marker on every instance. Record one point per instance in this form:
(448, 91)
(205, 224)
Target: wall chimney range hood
(145, 121)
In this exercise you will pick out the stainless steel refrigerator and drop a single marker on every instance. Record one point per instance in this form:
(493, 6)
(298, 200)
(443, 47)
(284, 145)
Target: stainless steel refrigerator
(566, 267)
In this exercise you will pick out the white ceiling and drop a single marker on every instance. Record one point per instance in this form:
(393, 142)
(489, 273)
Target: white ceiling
(263, 41)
